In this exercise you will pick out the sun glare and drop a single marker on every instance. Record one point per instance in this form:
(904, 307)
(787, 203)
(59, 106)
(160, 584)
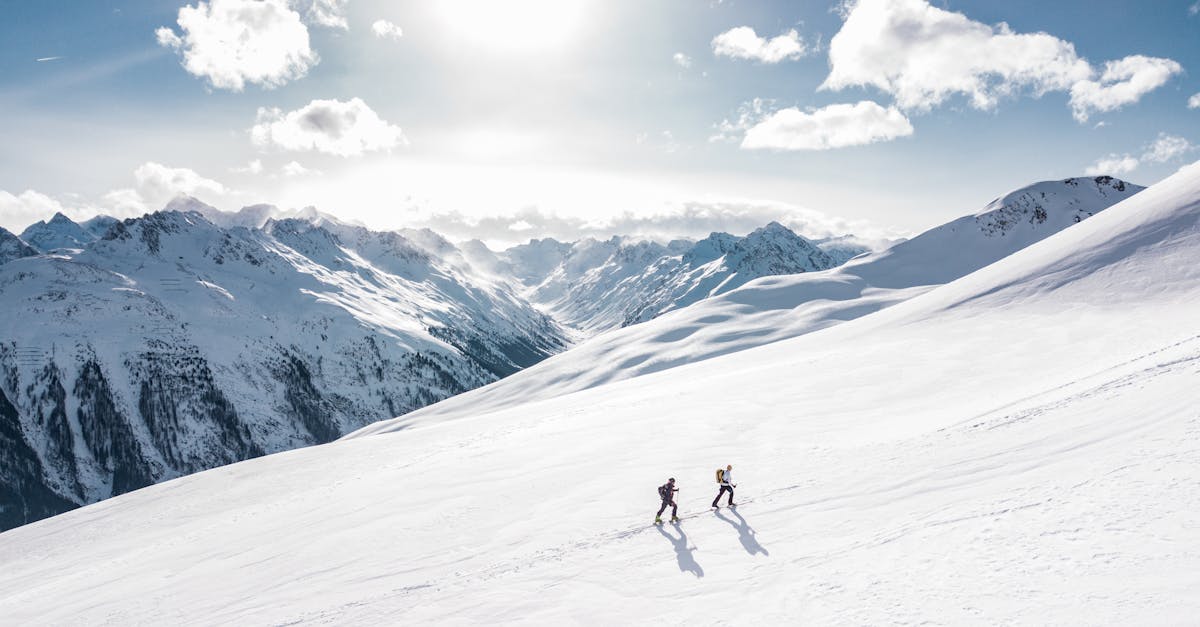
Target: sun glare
(515, 25)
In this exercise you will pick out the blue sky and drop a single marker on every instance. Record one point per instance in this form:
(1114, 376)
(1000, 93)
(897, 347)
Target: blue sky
(511, 119)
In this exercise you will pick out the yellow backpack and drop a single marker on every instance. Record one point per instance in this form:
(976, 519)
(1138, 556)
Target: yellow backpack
(720, 475)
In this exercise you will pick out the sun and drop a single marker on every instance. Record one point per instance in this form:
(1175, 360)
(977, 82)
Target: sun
(513, 25)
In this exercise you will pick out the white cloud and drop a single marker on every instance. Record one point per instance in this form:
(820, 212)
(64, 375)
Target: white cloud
(1194, 9)
(254, 167)
(1113, 165)
(294, 168)
(157, 183)
(329, 13)
(833, 126)
(743, 43)
(1194, 101)
(18, 211)
(1166, 148)
(1123, 82)
(923, 55)
(234, 42)
(334, 127)
(1163, 149)
(124, 202)
(682, 60)
(155, 186)
(384, 29)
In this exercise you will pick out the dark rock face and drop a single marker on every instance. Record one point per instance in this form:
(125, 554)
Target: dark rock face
(24, 497)
(106, 433)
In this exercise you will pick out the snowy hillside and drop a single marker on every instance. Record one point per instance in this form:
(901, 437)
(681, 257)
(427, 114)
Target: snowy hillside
(174, 345)
(775, 308)
(593, 286)
(1017, 446)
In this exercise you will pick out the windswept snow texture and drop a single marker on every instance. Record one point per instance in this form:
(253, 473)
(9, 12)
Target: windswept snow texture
(173, 345)
(1021, 445)
(775, 308)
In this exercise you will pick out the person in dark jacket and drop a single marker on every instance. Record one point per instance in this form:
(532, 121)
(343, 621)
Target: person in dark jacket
(667, 492)
(727, 485)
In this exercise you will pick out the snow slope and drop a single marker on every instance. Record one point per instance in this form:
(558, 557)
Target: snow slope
(776, 308)
(1020, 445)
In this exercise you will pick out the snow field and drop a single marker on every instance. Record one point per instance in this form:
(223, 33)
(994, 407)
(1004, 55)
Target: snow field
(1019, 446)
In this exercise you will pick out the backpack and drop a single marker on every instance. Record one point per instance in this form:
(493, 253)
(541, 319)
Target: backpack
(662, 492)
(720, 475)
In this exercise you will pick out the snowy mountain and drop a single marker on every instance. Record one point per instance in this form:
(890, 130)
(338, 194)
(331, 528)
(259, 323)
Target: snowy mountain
(173, 345)
(776, 308)
(594, 286)
(62, 232)
(192, 338)
(999, 449)
(13, 247)
(846, 247)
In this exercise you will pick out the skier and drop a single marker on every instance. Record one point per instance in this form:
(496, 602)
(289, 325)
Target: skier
(667, 492)
(725, 478)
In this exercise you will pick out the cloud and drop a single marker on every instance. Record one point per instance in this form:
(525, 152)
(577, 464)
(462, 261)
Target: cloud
(1123, 82)
(18, 211)
(333, 127)
(1166, 148)
(682, 60)
(834, 126)
(330, 13)
(1113, 165)
(1194, 9)
(254, 167)
(155, 186)
(1163, 149)
(760, 126)
(743, 43)
(1194, 101)
(384, 29)
(692, 220)
(234, 42)
(922, 56)
(293, 168)
(157, 183)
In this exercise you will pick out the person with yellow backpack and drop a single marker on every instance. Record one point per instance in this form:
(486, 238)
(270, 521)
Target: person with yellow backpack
(725, 478)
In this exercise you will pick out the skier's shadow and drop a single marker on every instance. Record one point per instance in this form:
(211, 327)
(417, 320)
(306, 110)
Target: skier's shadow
(683, 554)
(745, 532)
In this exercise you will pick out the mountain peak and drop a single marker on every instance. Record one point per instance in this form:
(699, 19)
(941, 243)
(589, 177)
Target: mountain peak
(58, 232)
(13, 247)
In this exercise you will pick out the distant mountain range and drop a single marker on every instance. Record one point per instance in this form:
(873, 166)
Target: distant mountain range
(140, 350)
